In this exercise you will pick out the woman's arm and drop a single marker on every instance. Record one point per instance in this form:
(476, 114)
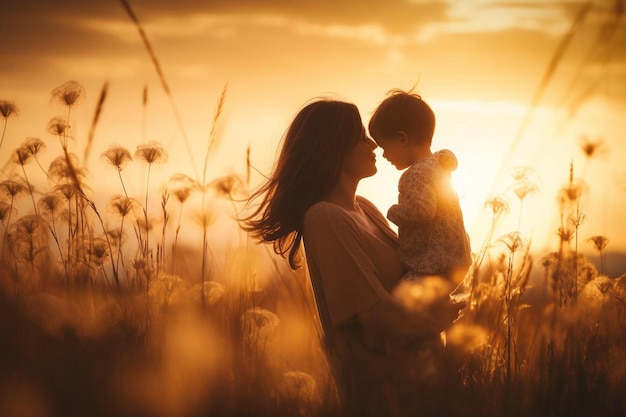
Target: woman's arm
(340, 258)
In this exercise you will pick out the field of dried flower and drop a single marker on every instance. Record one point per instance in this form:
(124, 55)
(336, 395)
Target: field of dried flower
(108, 311)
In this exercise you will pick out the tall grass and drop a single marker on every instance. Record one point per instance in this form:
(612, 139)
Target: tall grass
(113, 311)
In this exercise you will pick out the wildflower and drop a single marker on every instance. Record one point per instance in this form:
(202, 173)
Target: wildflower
(549, 261)
(49, 204)
(57, 126)
(300, 388)
(8, 108)
(33, 145)
(21, 156)
(600, 242)
(122, 205)
(571, 192)
(98, 250)
(66, 190)
(565, 234)
(69, 93)
(27, 225)
(12, 188)
(526, 182)
(181, 186)
(259, 325)
(498, 205)
(590, 148)
(523, 174)
(227, 185)
(117, 156)
(523, 189)
(151, 152)
(5, 210)
(513, 241)
(62, 170)
(578, 219)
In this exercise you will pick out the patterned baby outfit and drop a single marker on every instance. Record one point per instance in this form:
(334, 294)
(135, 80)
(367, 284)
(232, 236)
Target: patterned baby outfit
(431, 231)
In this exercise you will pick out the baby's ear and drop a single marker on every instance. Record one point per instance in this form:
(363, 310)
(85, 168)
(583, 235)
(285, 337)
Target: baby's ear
(447, 159)
(402, 137)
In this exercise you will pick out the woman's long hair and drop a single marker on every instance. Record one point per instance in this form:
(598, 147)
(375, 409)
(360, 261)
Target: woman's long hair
(308, 168)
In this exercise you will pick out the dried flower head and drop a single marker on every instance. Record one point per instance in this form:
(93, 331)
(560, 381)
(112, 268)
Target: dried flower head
(524, 189)
(513, 241)
(571, 192)
(27, 225)
(69, 93)
(33, 145)
(226, 186)
(181, 186)
(259, 324)
(5, 210)
(498, 205)
(57, 126)
(565, 234)
(49, 204)
(549, 260)
(8, 108)
(67, 191)
(152, 152)
(62, 171)
(589, 147)
(577, 219)
(122, 205)
(600, 242)
(12, 188)
(21, 156)
(117, 156)
(98, 250)
(525, 181)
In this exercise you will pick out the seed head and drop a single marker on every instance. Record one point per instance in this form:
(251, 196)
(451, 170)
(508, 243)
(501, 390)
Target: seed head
(12, 188)
(5, 210)
(181, 186)
(65, 190)
(60, 170)
(8, 108)
(99, 250)
(69, 93)
(21, 156)
(513, 241)
(33, 145)
(151, 152)
(117, 156)
(49, 204)
(498, 205)
(122, 205)
(27, 225)
(565, 234)
(57, 126)
(589, 147)
(227, 186)
(600, 242)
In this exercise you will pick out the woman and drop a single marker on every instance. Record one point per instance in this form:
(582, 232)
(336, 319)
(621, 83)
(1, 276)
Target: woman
(350, 252)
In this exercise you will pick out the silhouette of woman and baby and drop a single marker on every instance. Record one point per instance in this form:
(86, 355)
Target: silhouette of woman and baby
(383, 342)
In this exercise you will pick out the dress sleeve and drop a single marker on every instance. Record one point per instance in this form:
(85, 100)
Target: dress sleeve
(337, 254)
(416, 200)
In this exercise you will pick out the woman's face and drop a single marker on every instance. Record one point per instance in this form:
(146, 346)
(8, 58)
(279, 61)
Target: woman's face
(360, 162)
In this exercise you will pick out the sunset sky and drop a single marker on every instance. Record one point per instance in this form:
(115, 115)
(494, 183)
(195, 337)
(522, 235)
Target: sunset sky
(479, 63)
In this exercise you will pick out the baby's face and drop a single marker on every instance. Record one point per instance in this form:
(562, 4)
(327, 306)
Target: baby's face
(394, 150)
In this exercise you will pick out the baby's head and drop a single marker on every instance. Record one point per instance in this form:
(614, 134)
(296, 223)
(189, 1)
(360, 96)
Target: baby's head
(400, 122)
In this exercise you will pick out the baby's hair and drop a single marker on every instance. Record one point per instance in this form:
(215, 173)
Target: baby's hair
(404, 111)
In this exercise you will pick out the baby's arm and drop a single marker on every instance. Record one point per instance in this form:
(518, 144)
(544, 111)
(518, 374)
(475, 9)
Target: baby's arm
(416, 199)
